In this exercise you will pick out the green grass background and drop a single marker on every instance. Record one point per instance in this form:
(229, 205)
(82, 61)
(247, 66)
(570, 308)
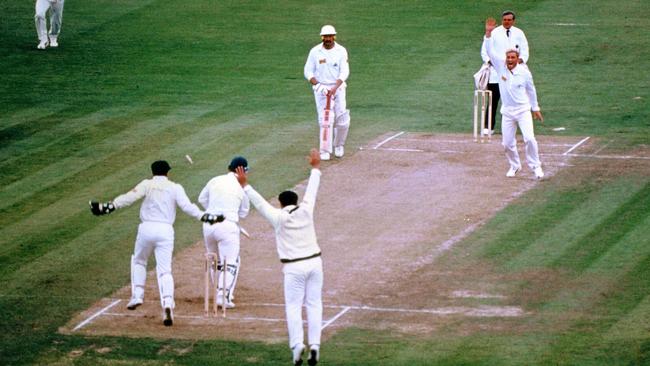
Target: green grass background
(135, 81)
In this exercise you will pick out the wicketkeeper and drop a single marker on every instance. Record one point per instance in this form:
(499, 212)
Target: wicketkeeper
(327, 69)
(155, 232)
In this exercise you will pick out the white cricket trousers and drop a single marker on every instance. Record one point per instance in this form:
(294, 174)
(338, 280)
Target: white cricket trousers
(339, 117)
(156, 237)
(509, 121)
(303, 283)
(223, 238)
(42, 6)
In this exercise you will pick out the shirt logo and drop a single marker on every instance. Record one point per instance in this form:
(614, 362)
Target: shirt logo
(322, 61)
(335, 65)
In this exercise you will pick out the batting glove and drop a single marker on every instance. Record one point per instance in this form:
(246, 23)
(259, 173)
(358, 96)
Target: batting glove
(212, 219)
(320, 89)
(99, 209)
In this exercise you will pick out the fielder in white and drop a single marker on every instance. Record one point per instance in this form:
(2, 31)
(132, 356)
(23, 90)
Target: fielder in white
(155, 232)
(223, 195)
(298, 249)
(327, 69)
(518, 99)
(56, 17)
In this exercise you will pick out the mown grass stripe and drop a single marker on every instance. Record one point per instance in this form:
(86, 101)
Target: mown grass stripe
(583, 215)
(610, 231)
(91, 154)
(524, 221)
(27, 115)
(44, 148)
(587, 335)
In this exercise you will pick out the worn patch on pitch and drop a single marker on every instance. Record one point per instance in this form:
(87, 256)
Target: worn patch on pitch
(384, 212)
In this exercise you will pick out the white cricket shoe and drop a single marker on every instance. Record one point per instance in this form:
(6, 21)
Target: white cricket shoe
(168, 317)
(42, 45)
(539, 173)
(512, 172)
(54, 42)
(134, 303)
(314, 353)
(324, 156)
(339, 151)
(297, 354)
(486, 131)
(229, 303)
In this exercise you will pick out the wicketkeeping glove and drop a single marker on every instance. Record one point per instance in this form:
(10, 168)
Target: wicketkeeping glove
(99, 209)
(320, 89)
(212, 219)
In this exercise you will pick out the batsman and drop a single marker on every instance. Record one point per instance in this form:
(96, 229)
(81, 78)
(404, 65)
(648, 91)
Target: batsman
(327, 69)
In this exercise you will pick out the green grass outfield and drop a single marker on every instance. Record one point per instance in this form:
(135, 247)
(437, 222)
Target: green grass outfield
(135, 81)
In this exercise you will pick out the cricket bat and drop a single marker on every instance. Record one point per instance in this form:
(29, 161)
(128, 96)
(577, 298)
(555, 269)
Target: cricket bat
(326, 140)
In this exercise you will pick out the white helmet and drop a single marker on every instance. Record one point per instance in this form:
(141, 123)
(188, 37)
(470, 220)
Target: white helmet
(327, 30)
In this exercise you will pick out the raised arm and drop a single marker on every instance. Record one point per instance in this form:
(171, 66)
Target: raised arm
(498, 61)
(269, 212)
(314, 180)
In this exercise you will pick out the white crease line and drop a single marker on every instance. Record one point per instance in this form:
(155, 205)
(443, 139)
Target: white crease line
(481, 311)
(95, 315)
(345, 310)
(388, 139)
(594, 156)
(471, 142)
(603, 147)
(576, 145)
(506, 311)
(398, 149)
(466, 141)
(203, 317)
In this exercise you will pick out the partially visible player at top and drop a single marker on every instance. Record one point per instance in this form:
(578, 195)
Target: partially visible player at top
(327, 70)
(155, 232)
(50, 38)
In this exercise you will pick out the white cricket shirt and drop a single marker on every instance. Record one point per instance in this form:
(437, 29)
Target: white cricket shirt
(224, 195)
(160, 199)
(327, 66)
(295, 235)
(515, 86)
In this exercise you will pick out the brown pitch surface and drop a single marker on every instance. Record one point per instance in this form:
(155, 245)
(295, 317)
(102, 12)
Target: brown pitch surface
(382, 214)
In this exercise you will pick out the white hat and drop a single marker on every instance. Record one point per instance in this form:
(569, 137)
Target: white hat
(327, 30)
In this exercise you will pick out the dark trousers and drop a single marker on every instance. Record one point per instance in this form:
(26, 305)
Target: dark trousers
(496, 96)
